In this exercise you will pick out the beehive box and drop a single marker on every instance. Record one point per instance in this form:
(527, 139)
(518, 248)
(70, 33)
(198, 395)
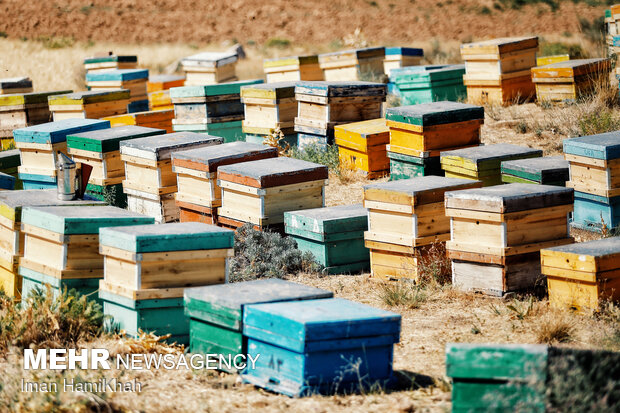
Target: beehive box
(483, 162)
(334, 236)
(570, 80)
(261, 191)
(12, 204)
(7, 182)
(397, 57)
(497, 234)
(229, 131)
(362, 146)
(149, 181)
(147, 268)
(89, 105)
(161, 100)
(548, 170)
(498, 70)
(110, 62)
(294, 68)
(158, 88)
(404, 218)
(208, 68)
(133, 80)
(216, 312)
(547, 60)
(353, 65)
(62, 246)
(160, 119)
(14, 85)
(310, 348)
(426, 84)
(529, 377)
(39, 146)
(9, 162)
(406, 166)
(199, 195)
(269, 106)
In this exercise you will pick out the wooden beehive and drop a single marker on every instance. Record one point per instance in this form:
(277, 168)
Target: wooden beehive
(7, 182)
(13, 85)
(12, 236)
(405, 217)
(110, 62)
(199, 195)
(39, 146)
(323, 105)
(286, 69)
(299, 363)
(570, 80)
(160, 119)
(209, 68)
(133, 80)
(483, 162)
(333, 235)
(548, 170)
(215, 312)
(362, 146)
(89, 105)
(9, 162)
(269, 106)
(497, 234)
(261, 191)
(147, 268)
(158, 88)
(62, 246)
(353, 65)
(397, 57)
(498, 70)
(160, 100)
(547, 60)
(407, 166)
(426, 84)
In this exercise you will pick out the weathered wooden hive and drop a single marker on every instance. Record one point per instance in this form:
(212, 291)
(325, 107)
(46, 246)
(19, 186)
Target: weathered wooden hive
(362, 147)
(89, 105)
(111, 62)
(133, 80)
(353, 65)
(294, 68)
(548, 170)
(208, 68)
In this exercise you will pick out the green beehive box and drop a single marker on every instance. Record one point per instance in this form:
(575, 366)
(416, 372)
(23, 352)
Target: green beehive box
(426, 84)
(110, 194)
(334, 236)
(549, 170)
(229, 131)
(406, 166)
(216, 312)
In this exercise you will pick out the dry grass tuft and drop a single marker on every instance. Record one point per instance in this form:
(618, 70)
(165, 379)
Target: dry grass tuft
(402, 293)
(555, 327)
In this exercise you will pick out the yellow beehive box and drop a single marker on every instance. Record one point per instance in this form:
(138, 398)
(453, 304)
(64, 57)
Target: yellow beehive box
(362, 146)
(547, 60)
(160, 119)
(160, 100)
(89, 105)
(164, 82)
(209, 68)
(295, 68)
(350, 65)
(269, 106)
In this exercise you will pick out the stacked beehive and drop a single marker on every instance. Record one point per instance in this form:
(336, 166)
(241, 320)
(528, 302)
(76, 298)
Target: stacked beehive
(39, 146)
(498, 70)
(261, 191)
(133, 80)
(209, 68)
(420, 133)
(9, 162)
(548, 170)
(323, 105)
(110, 62)
(149, 181)
(570, 80)
(287, 69)
(613, 35)
(199, 195)
(498, 232)
(406, 217)
(101, 150)
(426, 84)
(362, 147)
(147, 267)
(547, 60)
(62, 246)
(161, 119)
(295, 357)
(88, 105)
(483, 162)
(582, 276)
(268, 108)
(13, 85)
(216, 312)
(12, 237)
(22, 110)
(594, 162)
(334, 236)
(7, 182)
(158, 87)
(214, 109)
(353, 65)
(397, 57)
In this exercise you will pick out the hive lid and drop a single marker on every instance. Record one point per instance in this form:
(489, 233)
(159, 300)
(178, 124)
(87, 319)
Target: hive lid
(9, 159)
(570, 68)
(117, 75)
(340, 88)
(268, 173)
(212, 157)
(435, 113)
(416, 191)
(291, 60)
(602, 146)
(542, 170)
(364, 129)
(183, 236)
(407, 75)
(165, 78)
(499, 46)
(160, 147)
(83, 220)
(352, 53)
(487, 156)
(210, 59)
(274, 90)
(54, 132)
(15, 83)
(596, 248)
(230, 88)
(337, 219)
(111, 58)
(108, 140)
(88, 97)
(294, 324)
(404, 51)
(509, 198)
(223, 304)
(28, 98)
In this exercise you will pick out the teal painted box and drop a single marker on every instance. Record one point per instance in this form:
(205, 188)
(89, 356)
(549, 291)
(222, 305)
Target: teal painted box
(406, 166)
(34, 181)
(216, 312)
(327, 346)
(426, 84)
(55, 132)
(229, 131)
(334, 236)
(594, 212)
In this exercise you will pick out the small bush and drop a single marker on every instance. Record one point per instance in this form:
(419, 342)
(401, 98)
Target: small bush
(434, 267)
(318, 154)
(485, 11)
(278, 43)
(521, 127)
(3, 35)
(575, 51)
(598, 122)
(56, 42)
(554, 328)
(402, 293)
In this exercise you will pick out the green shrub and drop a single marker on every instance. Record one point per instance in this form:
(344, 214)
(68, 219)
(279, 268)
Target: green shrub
(575, 51)
(278, 43)
(318, 154)
(602, 121)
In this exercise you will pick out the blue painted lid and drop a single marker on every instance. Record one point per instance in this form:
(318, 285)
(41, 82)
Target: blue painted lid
(54, 132)
(117, 75)
(603, 146)
(404, 51)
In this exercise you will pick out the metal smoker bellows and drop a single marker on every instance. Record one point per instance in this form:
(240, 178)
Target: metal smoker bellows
(67, 177)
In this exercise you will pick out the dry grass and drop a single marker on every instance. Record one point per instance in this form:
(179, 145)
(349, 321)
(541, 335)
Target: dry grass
(554, 328)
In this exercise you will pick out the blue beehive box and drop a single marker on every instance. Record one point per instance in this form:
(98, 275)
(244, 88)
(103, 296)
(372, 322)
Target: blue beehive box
(304, 347)
(7, 181)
